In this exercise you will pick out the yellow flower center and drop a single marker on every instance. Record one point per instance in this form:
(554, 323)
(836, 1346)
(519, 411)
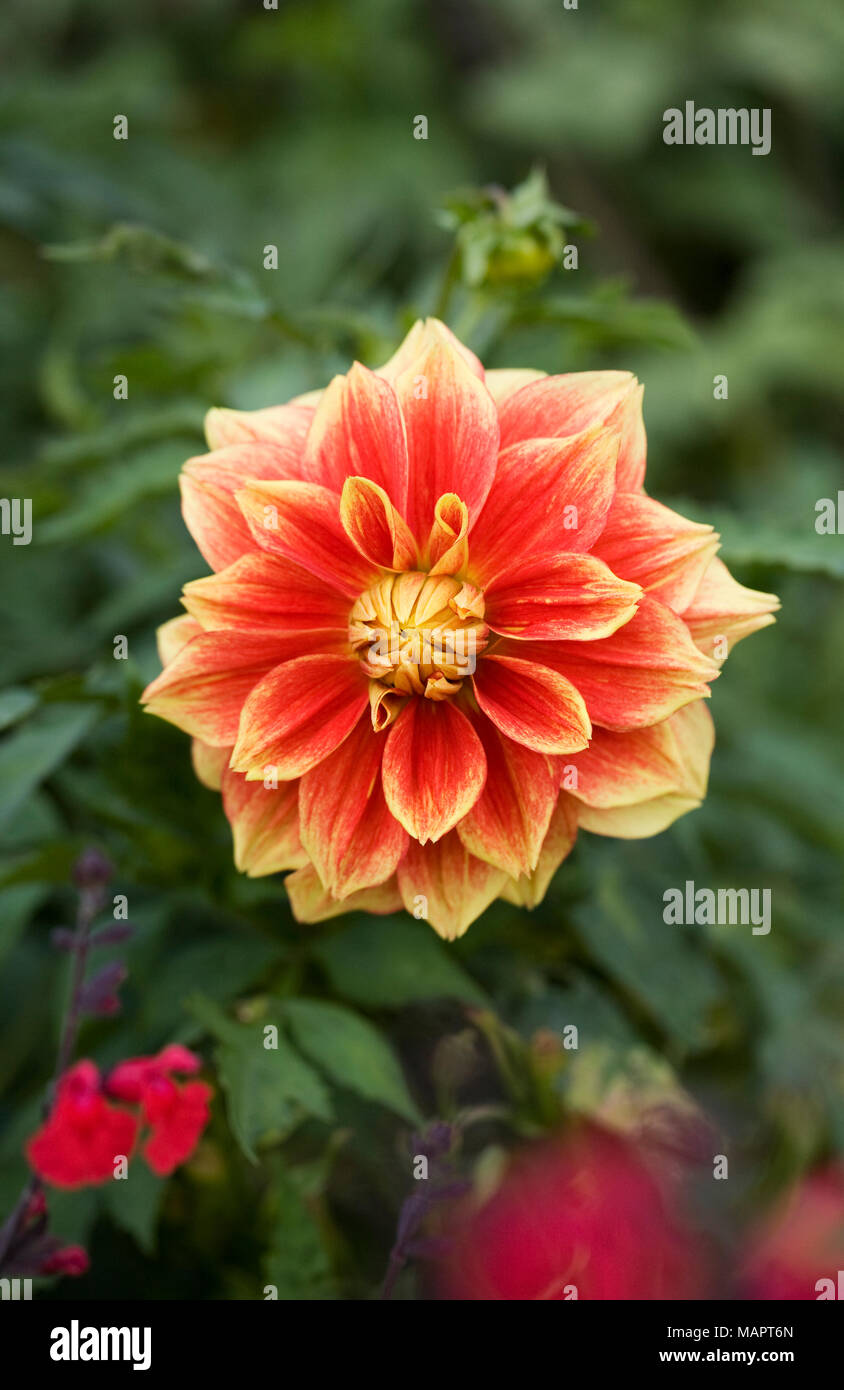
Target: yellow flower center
(417, 634)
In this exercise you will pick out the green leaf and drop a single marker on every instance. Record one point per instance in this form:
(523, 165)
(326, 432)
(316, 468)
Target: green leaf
(38, 749)
(622, 927)
(269, 1090)
(297, 1264)
(386, 963)
(352, 1051)
(134, 1203)
(219, 969)
(15, 704)
(771, 540)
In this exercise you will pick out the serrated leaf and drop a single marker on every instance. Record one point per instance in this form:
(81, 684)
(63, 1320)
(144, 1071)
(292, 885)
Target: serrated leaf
(269, 1090)
(351, 1051)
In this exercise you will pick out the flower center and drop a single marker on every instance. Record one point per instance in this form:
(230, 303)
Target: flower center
(417, 634)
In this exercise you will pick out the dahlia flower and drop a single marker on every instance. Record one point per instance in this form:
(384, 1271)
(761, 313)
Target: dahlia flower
(445, 627)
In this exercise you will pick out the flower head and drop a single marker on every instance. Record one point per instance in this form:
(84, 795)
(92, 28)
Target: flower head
(79, 1141)
(446, 627)
(582, 1218)
(85, 1134)
(797, 1253)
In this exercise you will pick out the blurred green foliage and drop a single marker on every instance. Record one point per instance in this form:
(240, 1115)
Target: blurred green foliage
(145, 257)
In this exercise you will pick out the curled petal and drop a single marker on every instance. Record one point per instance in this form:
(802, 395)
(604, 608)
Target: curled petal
(447, 544)
(351, 837)
(550, 495)
(298, 714)
(530, 889)
(203, 689)
(208, 485)
(564, 405)
(311, 902)
(283, 425)
(533, 704)
(263, 593)
(455, 886)
(656, 547)
(434, 768)
(358, 431)
(375, 528)
(265, 825)
(640, 675)
(723, 611)
(452, 434)
(507, 824)
(301, 522)
(560, 597)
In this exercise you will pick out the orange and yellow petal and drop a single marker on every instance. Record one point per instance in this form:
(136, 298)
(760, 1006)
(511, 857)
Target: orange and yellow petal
(263, 593)
(640, 675)
(502, 382)
(376, 529)
(452, 434)
(529, 889)
(209, 763)
(265, 825)
(434, 768)
(722, 611)
(637, 784)
(550, 496)
(208, 485)
(558, 406)
(508, 822)
(656, 547)
(559, 598)
(298, 714)
(424, 334)
(448, 546)
(352, 839)
(358, 431)
(532, 704)
(300, 522)
(283, 425)
(310, 901)
(447, 885)
(203, 689)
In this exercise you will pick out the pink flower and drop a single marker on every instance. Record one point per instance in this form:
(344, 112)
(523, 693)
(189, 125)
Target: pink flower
(797, 1253)
(583, 1218)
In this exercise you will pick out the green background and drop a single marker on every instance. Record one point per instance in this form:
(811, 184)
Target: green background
(294, 128)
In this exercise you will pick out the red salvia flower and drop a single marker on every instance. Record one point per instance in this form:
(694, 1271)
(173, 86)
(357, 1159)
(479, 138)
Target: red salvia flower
(446, 627)
(83, 1134)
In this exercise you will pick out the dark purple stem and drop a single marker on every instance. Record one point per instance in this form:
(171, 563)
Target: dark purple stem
(90, 903)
